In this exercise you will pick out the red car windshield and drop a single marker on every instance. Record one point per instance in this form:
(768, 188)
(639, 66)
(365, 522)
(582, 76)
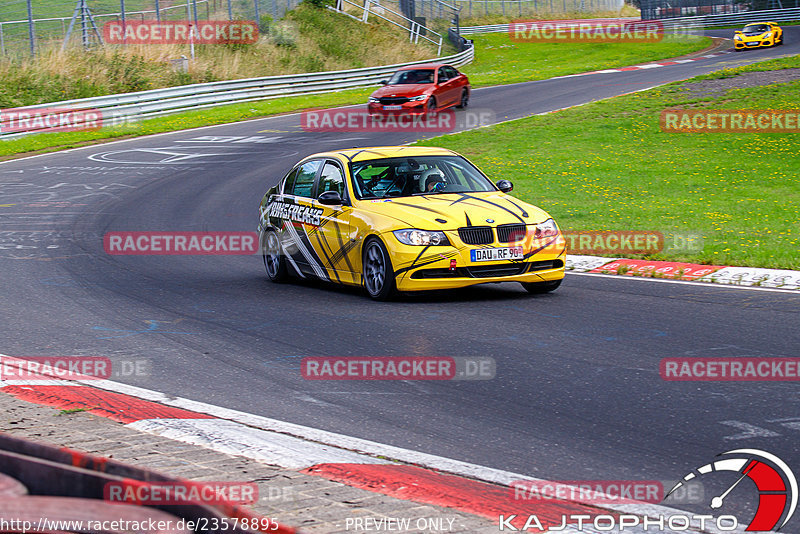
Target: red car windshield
(414, 76)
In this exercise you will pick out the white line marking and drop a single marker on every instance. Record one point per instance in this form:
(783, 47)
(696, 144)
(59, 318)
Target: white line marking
(233, 438)
(687, 282)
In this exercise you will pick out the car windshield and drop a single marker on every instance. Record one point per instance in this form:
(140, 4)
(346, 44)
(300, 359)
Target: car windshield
(412, 76)
(756, 28)
(423, 175)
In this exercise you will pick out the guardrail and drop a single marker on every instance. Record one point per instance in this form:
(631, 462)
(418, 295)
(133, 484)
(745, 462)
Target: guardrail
(117, 109)
(700, 21)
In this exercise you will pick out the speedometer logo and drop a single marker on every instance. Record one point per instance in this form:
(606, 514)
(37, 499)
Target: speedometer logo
(776, 484)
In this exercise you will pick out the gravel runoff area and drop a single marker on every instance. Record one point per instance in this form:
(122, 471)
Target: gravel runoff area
(717, 87)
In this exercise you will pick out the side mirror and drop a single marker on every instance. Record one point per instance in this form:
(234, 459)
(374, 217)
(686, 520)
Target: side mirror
(330, 198)
(505, 186)
(383, 82)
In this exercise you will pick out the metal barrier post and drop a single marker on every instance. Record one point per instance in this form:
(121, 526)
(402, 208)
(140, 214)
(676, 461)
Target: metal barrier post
(31, 35)
(366, 11)
(122, 14)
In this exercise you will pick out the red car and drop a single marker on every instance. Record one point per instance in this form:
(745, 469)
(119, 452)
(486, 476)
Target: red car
(420, 89)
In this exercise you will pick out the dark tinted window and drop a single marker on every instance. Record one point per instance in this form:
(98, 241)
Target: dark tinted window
(443, 76)
(304, 182)
(451, 72)
(289, 182)
(411, 76)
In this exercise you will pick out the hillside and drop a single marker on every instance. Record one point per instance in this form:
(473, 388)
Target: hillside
(308, 39)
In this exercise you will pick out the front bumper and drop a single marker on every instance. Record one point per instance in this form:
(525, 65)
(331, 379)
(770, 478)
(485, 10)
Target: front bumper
(753, 43)
(445, 267)
(412, 108)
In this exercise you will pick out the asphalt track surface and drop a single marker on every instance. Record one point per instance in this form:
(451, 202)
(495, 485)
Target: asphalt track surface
(577, 394)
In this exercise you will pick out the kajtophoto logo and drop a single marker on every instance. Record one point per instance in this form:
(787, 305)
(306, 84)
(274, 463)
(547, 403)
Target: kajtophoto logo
(775, 483)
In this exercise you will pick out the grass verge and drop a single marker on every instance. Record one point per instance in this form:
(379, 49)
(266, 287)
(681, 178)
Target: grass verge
(608, 166)
(498, 59)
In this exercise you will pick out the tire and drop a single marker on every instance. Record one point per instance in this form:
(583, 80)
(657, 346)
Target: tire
(376, 270)
(274, 260)
(537, 288)
(464, 99)
(431, 107)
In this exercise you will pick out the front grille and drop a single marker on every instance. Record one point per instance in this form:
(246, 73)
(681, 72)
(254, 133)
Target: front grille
(503, 269)
(393, 100)
(510, 232)
(476, 235)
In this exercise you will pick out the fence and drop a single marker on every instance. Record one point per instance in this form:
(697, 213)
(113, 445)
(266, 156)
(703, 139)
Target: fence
(28, 25)
(415, 28)
(118, 109)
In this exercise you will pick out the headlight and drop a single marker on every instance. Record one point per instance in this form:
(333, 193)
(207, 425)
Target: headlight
(417, 98)
(768, 35)
(737, 38)
(420, 237)
(373, 100)
(546, 229)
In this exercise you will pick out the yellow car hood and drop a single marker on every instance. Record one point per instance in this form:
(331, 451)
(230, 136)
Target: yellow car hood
(457, 209)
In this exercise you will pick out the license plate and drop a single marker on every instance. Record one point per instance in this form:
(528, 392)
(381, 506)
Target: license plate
(495, 254)
(392, 108)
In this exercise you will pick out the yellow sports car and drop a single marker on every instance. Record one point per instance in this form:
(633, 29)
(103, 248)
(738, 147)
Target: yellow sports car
(757, 34)
(407, 219)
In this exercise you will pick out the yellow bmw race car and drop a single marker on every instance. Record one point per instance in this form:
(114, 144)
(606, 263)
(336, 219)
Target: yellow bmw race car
(758, 34)
(407, 219)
